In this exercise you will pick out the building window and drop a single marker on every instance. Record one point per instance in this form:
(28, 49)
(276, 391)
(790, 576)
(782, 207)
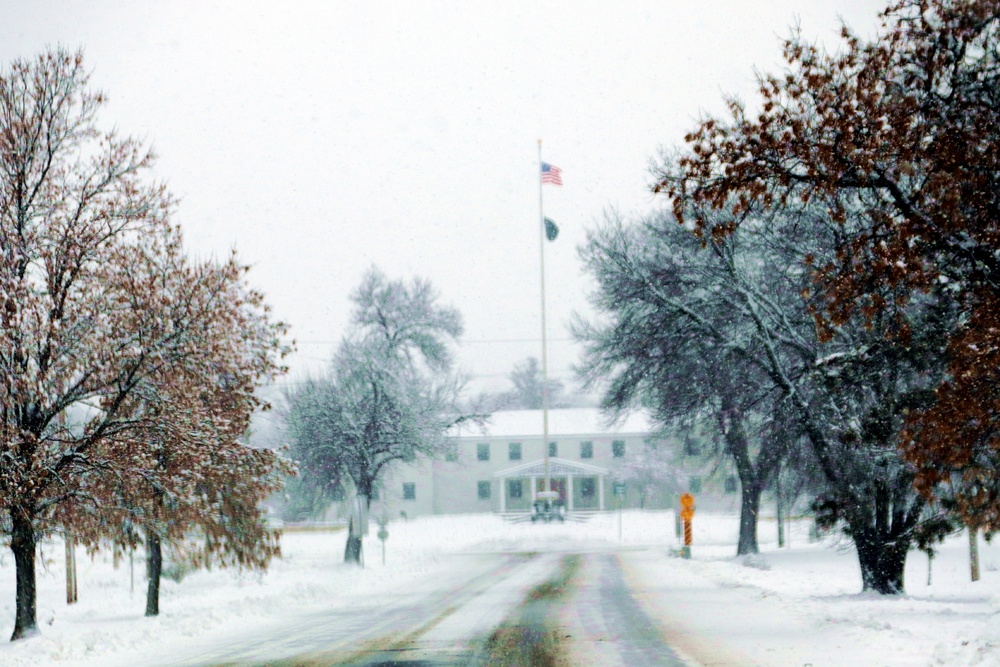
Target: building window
(409, 491)
(553, 449)
(451, 451)
(484, 489)
(514, 451)
(483, 451)
(588, 487)
(691, 447)
(618, 449)
(514, 488)
(586, 449)
(731, 484)
(694, 485)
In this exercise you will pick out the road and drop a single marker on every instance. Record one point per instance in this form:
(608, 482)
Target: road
(520, 609)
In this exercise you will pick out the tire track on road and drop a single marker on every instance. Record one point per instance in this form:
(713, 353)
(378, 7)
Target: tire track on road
(404, 636)
(606, 625)
(529, 637)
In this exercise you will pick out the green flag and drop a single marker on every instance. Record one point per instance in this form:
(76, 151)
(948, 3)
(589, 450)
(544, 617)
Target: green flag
(551, 231)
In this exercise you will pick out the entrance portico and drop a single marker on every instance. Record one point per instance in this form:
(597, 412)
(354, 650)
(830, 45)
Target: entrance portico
(580, 485)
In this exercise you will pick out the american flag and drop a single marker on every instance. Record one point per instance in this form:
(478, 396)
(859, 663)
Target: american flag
(551, 174)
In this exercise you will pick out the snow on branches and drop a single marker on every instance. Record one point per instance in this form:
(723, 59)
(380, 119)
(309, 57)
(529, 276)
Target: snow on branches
(127, 371)
(905, 130)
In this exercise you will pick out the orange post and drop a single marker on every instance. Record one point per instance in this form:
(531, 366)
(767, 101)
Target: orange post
(687, 514)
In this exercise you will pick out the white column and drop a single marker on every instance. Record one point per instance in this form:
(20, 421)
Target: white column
(569, 492)
(600, 492)
(503, 494)
(534, 489)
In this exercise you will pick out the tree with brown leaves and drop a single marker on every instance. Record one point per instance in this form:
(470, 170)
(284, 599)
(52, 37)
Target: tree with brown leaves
(107, 324)
(904, 129)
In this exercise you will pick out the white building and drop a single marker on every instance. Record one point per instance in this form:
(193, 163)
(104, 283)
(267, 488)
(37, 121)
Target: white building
(501, 468)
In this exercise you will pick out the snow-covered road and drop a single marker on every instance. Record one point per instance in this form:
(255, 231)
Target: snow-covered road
(603, 623)
(558, 607)
(459, 589)
(489, 609)
(438, 620)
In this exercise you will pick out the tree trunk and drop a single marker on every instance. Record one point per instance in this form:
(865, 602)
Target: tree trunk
(23, 543)
(71, 587)
(973, 554)
(882, 564)
(881, 522)
(751, 486)
(355, 529)
(352, 551)
(154, 567)
(749, 509)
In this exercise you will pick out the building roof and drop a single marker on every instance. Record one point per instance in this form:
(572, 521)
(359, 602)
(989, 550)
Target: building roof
(562, 423)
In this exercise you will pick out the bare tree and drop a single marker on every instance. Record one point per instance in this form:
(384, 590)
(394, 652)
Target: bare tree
(528, 387)
(731, 325)
(391, 394)
(669, 337)
(648, 467)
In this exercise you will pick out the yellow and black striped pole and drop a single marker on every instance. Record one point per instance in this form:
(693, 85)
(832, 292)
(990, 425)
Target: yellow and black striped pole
(687, 514)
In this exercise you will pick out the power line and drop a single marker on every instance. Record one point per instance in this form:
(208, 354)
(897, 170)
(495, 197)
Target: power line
(560, 376)
(472, 341)
(478, 341)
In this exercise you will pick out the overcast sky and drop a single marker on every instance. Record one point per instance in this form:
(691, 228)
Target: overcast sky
(320, 138)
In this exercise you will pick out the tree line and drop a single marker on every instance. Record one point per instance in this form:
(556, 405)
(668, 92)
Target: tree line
(823, 283)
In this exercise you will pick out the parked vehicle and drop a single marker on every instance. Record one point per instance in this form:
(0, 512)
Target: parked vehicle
(548, 509)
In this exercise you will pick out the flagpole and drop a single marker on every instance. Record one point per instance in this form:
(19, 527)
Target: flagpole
(545, 370)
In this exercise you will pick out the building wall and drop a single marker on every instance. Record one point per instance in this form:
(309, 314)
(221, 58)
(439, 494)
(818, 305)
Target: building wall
(392, 500)
(451, 484)
(456, 488)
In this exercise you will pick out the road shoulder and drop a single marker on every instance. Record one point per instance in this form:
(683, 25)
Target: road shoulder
(730, 624)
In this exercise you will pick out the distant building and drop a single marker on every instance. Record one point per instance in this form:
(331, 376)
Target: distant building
(501, 468)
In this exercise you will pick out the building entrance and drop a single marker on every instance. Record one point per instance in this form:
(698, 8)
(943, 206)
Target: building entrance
(558, 485)
(566, 477)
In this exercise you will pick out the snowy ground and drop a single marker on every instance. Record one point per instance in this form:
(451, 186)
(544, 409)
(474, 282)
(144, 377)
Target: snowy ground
(793, 606)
